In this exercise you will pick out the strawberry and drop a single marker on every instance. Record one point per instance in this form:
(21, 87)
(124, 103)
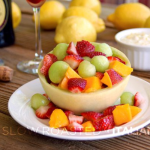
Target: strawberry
(71, 50)
(68, 112)
(76, 85)
(95, 53)
(50, 109)
(104, 123)
(54, 58)
(73, 60)
(138, 99)
(99, 75)
(74, 118)
(109, 110)
(42, 111)
(84, 47)
(75, 127)
(112, 58)
(114, 76)
(91, 115)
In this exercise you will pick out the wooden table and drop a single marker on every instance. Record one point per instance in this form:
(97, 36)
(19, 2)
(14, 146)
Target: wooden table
(15, 137)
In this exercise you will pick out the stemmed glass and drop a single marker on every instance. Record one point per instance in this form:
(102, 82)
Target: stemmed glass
(31, 66)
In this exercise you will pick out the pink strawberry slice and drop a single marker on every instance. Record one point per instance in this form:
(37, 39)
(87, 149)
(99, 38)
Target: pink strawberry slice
(73, 60)
(74, 118)
(114, 76)
(91, 115)
(75, 127)
(138, 99)
(50, 110)
(104, 123)
(95, 53)
(109, 110)
(68, 112)
(84, 47)
(54, 58)
(99, 75)
(42, 111)
(112, 58)
(71, 50)
(76, 85)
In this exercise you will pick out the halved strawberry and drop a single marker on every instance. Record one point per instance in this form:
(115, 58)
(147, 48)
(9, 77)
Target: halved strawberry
(84, 47)
(68, 112)
(74, 118)
(91, 115)
(54, 58)
(73, 60)
(112, 58)
(76, 85)
(138, 99)
(109, 110)
(75, 127)
(71, 50)
(42, 111)
(95, 53)
(99, 75)
(104, 123)
(50, 110)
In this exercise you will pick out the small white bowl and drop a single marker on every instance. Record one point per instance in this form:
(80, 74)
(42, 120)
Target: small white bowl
(139, 55)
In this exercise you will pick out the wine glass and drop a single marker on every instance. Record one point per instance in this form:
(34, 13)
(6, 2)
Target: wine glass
(31, 66)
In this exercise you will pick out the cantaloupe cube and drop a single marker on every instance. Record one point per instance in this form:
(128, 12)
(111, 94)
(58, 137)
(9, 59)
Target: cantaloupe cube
(88, 127)
(135, 110)
(122, 114)
(93, 84)
(120, 68)
(106, 80)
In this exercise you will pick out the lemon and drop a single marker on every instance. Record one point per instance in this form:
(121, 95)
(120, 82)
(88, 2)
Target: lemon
(129, 15)
(86, 13)
(16, 14)
(95, 5)
(50, 14)
(73, 29)
(147, 23)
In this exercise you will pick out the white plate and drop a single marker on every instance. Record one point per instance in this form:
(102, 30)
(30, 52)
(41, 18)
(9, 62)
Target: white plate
(20, 110)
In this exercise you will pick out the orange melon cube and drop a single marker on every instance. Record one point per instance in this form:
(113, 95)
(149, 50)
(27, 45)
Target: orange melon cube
(88, 127)
(135, 110)
(93, 84)
(106, 80)
(122, 114)
(58, 119)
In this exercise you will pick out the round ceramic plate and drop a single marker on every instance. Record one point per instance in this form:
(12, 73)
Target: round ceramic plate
(20, 110)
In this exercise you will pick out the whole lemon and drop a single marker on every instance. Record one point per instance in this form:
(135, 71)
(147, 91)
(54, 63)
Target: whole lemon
(147, 23)
(129, 15)
(95, 5)
(87, 13)
(16, 14)
(73, 29)
(50, 14)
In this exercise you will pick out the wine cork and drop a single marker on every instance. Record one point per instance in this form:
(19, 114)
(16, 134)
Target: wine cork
(6, 73)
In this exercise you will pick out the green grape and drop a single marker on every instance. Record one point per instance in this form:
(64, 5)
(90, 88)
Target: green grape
(87, 58)
(60, 51)
(86, 69)
(100, 62)
(127, 98)
(103, 47)
(57, 71)
(38, 100)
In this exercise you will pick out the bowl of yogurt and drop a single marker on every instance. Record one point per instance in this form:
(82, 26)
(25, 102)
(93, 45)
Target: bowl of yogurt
(135, 43)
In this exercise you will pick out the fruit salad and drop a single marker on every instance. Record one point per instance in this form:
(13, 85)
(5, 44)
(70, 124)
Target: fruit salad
(83, 68)
(89, 121)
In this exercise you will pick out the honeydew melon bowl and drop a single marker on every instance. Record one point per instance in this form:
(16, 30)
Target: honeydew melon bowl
(81, 102)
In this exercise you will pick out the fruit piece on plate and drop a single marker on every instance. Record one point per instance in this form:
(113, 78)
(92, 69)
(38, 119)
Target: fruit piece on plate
(93, 84)
(88, 127)
(135, 110)
(100, 75)
(114, 76)
(109, 110)
(104, 123)
(91, 115)
(50, 110)
(138, 99)
(73, 118)
(106, 80)
(120, 68)
(70, 73)
(95, 53)
(127, 98)
(71, 50)
(73, 60)
(58, 119)
(75, 127)
(112, 58)
(86, 69)
(76, 85)
(122, 114)
(68, 112)
(84, 47)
